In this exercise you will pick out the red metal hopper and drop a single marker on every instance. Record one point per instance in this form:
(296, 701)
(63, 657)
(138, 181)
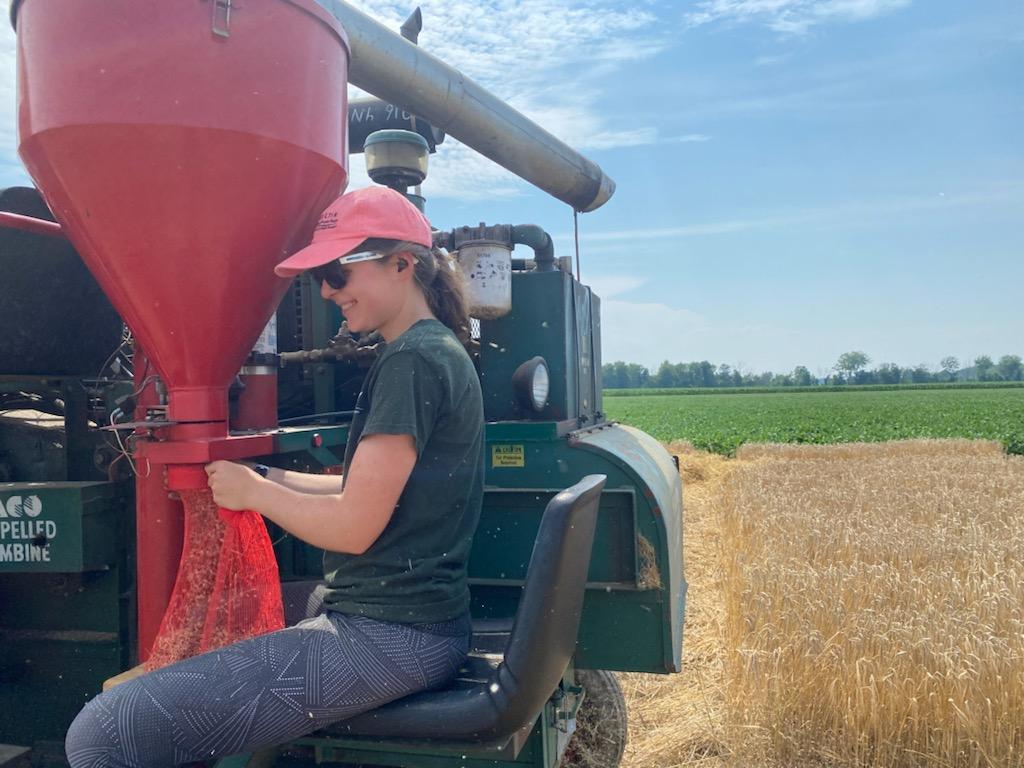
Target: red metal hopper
(185, 148)
(185, 152)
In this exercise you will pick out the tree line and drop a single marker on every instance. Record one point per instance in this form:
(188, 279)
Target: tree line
(850, 368)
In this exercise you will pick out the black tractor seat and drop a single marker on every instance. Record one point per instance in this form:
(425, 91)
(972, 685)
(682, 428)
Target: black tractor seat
(497, 694)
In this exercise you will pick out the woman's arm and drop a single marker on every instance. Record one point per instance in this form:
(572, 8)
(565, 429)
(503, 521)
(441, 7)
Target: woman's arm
(303, 482)
(344, 522)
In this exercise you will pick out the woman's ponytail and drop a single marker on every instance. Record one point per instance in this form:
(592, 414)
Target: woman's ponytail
(444, 288)
(440, 280)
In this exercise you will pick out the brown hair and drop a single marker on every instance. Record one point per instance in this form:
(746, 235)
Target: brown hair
(440, 280)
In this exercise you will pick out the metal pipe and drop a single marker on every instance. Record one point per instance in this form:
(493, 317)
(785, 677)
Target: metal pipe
(543, 248)
(394, 69)
(519, 234)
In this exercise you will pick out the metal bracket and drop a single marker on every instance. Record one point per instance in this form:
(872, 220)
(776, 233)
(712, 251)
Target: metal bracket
(133, 425)
(221, 18)
(566, 702)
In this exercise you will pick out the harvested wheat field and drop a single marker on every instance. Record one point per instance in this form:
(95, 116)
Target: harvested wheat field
(849, 605)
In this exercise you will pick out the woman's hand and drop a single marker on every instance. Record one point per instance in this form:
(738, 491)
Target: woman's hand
(234, 485)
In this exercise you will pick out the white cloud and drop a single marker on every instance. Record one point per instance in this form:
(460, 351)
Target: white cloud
(791, 16)
(550, 59)
(607, 286)
(687, 138)
(769, 61)
(517, 44)
(649, 332)
(456, 172)
(849, 213)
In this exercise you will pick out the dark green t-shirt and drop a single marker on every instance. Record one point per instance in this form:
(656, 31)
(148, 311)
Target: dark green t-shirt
(423, 384)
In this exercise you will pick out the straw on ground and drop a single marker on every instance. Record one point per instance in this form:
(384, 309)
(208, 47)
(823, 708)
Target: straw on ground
(849, 605)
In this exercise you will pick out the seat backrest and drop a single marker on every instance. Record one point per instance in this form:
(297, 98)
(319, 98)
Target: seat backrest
(543, 637)
(542, 641)
(555, 580)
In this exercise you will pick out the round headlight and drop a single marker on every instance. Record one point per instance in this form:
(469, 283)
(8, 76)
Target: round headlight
(532, 384)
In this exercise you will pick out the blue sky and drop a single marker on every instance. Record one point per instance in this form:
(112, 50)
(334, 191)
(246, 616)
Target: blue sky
(796, 178)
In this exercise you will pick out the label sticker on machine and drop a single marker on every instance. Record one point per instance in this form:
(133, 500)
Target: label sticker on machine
(508, 455)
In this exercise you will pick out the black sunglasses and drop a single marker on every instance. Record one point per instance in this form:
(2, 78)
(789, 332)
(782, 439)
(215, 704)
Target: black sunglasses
(334, 275)
(331, 273)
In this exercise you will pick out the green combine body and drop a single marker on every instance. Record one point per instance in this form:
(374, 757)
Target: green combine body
(71, 469)
(66, 613)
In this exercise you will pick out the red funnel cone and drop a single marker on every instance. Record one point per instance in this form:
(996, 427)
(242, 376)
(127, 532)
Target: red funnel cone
(185, 155)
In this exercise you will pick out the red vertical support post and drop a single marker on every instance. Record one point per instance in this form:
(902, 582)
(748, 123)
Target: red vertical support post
(159, 531)
(257, 403)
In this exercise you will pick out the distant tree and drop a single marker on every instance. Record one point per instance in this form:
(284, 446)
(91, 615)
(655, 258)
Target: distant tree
(1010, 368)
(613, 375)
(984, 368)
(865, 377)
(802, 377)
(889, 373)
(723, 376)
(705, 374)
(950, 366)
(691, 374)
(921, 374)
(681, 375)
(851, 362)
(665, 377)
(637, 375)
(782, 380)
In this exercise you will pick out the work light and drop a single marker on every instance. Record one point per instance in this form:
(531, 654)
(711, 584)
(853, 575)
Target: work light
(532, 384)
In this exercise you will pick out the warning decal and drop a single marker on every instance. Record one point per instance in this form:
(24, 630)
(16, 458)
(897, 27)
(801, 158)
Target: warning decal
(508, 456)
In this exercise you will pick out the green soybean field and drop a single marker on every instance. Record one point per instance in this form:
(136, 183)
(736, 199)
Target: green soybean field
(721, 423)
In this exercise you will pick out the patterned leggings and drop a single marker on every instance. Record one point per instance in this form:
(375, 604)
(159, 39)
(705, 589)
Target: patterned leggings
(266, 690)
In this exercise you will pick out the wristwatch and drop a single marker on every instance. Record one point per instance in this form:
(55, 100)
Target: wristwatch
(260, 469)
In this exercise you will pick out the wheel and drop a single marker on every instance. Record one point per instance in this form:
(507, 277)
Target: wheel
(601, 723)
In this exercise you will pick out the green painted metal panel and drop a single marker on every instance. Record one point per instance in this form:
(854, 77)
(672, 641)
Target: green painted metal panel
(656, 473)
(61, 636)
(66, 617)
(48, 681)
(504, 540)
(504, 431)
(556, 318)
(652, 604)
(59, 526)
(537, 324)
(396, 753)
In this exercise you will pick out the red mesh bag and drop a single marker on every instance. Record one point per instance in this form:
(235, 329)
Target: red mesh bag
(227, 588)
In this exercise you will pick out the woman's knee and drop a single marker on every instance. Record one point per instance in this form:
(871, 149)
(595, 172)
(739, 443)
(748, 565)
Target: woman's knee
(87, 743)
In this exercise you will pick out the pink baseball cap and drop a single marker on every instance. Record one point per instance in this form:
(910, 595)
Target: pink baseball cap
(351, 219)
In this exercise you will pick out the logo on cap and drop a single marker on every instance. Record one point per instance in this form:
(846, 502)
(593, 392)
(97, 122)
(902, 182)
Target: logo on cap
(329, 220)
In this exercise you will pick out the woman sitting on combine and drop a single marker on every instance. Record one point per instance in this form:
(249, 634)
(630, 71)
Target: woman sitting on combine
(393, 618)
